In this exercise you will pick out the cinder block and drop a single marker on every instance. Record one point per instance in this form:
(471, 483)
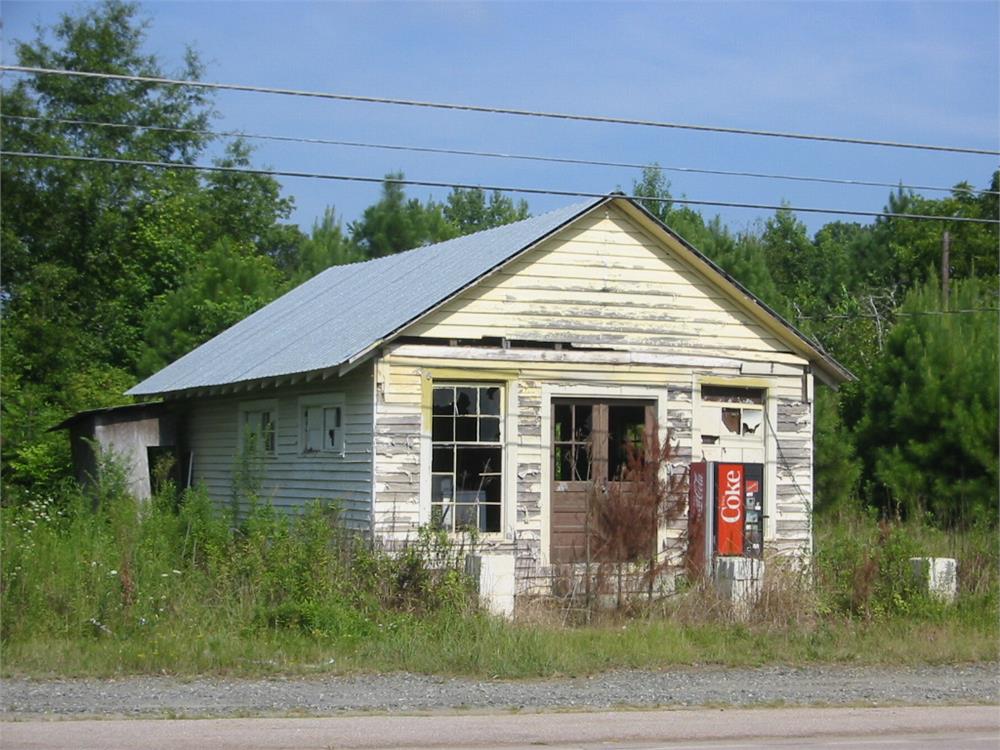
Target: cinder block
(497, 582)
(739, 580)
(937, 576)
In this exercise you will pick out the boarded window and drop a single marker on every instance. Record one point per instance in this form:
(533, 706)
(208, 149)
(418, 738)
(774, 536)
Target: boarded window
(732, 394)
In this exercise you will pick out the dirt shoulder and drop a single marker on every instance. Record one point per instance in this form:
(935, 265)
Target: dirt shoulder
(333, 695)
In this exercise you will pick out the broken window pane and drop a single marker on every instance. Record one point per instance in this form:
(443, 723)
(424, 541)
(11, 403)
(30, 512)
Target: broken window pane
(563, 417)
(731, 420)
(583, 418)
(626, 426)
(563, 463)
(444, 401)
(331, 422)
(489, 401)
(466, 458)
(490, 517)
(581, 467)
(490, 489)
(751, 421)
(471, 463)
(465, 401)
(489, 430)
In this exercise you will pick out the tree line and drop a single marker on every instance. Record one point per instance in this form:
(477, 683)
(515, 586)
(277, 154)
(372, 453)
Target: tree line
(110, 272)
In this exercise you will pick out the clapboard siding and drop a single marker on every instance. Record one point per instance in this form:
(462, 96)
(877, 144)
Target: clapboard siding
(400, 430)
(290, 480)
(604, 282)
(397, 453)
(794, 476)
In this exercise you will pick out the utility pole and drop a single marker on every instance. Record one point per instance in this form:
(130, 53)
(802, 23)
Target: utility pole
(945, 266)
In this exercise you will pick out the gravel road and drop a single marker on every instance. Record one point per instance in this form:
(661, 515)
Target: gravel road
(330, 695)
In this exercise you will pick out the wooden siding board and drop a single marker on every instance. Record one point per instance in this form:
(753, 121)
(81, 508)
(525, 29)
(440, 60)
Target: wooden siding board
(289, 479)
(676, 383)
(585, 286)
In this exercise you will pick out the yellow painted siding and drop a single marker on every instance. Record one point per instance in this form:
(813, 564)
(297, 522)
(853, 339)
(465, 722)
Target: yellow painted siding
(605, 283)
(401, 431)
(641, 323)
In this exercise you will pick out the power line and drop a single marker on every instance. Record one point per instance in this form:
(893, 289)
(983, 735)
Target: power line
(472, 186)
(914, 314)
(497, 110)
(497, 155)
(426, 183)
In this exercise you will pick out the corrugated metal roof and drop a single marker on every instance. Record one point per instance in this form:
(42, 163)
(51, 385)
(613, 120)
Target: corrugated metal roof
(342, 311)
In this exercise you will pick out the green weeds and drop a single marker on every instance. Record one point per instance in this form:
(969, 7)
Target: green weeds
(94, 584)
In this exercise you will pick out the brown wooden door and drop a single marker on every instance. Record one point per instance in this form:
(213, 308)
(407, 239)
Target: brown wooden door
(589, 440)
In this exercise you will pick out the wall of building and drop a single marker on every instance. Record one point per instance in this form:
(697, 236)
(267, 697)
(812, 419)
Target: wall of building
(403, 437)
(289, 479)
(631, 320)
(125, 436)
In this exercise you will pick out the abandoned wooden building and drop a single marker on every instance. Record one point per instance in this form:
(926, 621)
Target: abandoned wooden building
(461, 384)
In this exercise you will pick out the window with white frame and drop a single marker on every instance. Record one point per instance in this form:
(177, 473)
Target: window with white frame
(729, 412)
(321, 420)
(258, 426)
(466, 457)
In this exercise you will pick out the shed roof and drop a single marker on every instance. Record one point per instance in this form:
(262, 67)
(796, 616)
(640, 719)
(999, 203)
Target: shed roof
(121, 413)
(340, 314)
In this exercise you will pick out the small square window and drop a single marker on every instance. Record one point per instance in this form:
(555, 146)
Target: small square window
(322, 424)
(258, 428)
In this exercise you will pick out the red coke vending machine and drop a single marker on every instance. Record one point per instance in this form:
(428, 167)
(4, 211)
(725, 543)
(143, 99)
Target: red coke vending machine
(725, 513)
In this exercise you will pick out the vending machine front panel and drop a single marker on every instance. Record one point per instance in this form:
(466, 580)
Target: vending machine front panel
(730, 509)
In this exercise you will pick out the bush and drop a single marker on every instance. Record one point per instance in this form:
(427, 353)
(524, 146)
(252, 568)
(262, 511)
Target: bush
(863, 569)
(93, 583)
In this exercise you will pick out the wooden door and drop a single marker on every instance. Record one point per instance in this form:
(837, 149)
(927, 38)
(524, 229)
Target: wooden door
(589, 439)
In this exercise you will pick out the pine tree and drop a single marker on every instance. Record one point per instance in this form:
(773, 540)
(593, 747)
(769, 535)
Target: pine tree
(928, 433)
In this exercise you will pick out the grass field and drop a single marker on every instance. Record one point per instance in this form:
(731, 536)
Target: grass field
(177, 589)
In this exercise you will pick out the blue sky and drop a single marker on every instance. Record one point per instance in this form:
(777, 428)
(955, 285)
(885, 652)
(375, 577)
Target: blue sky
(920, 72)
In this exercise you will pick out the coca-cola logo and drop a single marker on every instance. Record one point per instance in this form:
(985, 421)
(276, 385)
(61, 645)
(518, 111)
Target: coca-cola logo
(731, 510)
(699, 490)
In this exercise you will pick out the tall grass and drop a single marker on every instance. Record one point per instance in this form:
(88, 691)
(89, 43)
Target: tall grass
(862, 566)
(95, 584)
(166, 583)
